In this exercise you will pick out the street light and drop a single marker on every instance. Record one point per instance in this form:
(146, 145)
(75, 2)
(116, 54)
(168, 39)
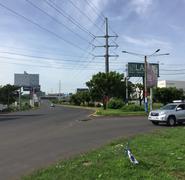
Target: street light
(145, 74)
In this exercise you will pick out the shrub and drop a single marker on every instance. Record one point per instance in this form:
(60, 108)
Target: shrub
(26, 106)
(91, 104)
(115, 103)
(133, 107)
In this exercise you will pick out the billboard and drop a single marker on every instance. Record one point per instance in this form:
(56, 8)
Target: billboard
(27, 81)
(151, 76)
(138, 69)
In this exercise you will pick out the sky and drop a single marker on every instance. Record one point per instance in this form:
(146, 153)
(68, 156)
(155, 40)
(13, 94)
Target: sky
(57, 39)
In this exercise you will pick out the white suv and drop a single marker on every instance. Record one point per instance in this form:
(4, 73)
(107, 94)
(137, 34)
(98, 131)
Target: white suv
(172, 114)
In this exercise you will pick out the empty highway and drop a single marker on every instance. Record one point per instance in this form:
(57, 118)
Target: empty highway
(37, 138)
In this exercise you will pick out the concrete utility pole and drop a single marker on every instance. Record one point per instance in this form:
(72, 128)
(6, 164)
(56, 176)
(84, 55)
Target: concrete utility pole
(59, 90)
(145, 84)
(20, 99)
(126, 84)
(106, 46)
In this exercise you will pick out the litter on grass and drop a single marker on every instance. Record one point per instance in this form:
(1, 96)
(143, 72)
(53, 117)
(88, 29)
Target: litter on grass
(130, 155)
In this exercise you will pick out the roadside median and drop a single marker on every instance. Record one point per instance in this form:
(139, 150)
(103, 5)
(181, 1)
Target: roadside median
(99, 111)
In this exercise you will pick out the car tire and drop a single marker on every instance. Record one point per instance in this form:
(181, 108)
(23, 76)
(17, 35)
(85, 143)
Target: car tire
(171, 121)
(155, 122)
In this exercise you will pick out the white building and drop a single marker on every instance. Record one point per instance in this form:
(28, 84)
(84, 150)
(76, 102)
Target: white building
(171, 83)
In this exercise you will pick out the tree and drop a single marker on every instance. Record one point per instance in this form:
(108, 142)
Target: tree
(167, 95)
(80, 97)
(76, 99)
(8, 94)
(85, 96)
(107, 85)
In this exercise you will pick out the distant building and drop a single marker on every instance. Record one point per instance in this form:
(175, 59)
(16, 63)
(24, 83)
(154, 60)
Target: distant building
(171, 83)
(59, 96)
(81, 89)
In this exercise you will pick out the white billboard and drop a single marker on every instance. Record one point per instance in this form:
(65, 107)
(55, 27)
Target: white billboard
(26, 80)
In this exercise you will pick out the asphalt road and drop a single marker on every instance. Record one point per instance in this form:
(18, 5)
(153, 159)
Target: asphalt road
(35, 139)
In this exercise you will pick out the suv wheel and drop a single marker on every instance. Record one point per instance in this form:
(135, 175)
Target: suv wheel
(171, 121)
(155, 122)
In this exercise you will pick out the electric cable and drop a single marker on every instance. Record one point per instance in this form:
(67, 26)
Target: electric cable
(41, 27)
(56, 20)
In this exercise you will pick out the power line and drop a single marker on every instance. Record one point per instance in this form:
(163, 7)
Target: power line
(174, 74)
(68, 16)
(95, 10)
(59, 61)
(44, 66)
(172, 69)
(92, 5)
(71, 19)
(56, 20)
(85, 15)
(40, 57)
(41, 51)
(41, 27)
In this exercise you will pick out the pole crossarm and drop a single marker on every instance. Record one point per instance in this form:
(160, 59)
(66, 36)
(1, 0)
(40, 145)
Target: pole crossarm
(106, 36)
(113, 55)
(116, 46)
(105, 55)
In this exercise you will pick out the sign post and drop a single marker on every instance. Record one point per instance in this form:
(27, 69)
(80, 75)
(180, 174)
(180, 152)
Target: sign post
(149, 72)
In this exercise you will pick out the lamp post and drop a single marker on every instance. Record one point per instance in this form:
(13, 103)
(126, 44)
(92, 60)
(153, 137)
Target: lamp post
(145, 74)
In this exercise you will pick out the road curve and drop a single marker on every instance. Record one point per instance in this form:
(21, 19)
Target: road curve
(34, 139)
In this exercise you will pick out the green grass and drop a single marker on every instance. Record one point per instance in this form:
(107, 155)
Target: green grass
(80, 107)
(119, 112)
(161, 156)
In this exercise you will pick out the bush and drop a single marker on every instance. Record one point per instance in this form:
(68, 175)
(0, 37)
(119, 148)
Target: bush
(133, 107)
(91, 104)
(115, 103)
(25, 107)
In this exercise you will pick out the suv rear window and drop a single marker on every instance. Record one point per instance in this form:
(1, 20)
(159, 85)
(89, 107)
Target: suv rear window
(182, 106)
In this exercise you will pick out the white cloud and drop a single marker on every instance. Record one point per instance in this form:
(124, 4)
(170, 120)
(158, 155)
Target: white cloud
(176, 28)
(147, 42)
(141, 6)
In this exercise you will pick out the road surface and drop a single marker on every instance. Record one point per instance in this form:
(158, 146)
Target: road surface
(37, 138)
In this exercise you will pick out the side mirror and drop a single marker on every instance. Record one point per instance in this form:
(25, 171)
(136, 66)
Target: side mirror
(179, 108)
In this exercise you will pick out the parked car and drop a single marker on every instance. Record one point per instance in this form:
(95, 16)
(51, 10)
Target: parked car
(3, 107)
(171, 114)
(52, 105)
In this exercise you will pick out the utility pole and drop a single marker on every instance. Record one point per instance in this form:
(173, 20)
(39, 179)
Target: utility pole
(20, 99)
(126, 84)
(145, 84)
(106, 46)
(59, 90)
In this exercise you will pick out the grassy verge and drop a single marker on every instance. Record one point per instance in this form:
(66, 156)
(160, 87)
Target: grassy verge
(80, 107)
(109, 112)
(119, 112)
(161, 155)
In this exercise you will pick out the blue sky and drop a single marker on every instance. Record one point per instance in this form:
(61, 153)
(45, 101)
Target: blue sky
(59, 42)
